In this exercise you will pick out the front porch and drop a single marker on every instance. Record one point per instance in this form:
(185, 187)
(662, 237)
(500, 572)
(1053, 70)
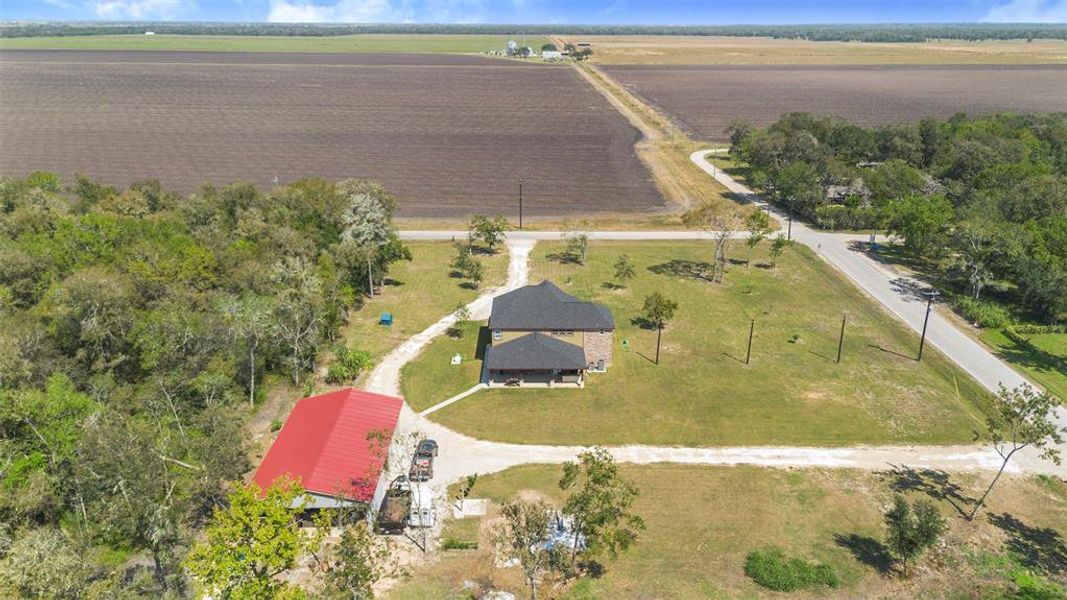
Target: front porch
(536, 378)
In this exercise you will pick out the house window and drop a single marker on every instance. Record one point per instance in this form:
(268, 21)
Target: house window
(562, 332)
(497, 335)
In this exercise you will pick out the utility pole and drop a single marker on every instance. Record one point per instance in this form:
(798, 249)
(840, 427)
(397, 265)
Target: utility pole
(751, 330)
(520, 202)
(659, 335)
(930, 295)
(841, 338)
(789, 234)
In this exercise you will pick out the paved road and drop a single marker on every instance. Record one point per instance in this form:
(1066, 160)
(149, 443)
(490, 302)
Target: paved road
(900, 295)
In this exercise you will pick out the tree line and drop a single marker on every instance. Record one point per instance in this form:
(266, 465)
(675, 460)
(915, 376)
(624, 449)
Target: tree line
(136, 327)
(981, 203)
(902, 32)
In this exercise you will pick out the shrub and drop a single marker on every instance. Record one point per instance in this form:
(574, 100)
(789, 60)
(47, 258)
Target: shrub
(348, 365)
(772, 569)
(984, 314)
(451, 543)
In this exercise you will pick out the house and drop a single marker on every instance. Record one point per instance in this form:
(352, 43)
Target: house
(542, 336)
(335, 444)
(551, 55)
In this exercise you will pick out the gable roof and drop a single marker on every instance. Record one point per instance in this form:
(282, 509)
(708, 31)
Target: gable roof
(535, 351)
(325, 444)
(546, 307)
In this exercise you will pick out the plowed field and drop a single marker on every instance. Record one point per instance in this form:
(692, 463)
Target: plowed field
(704, 99)
(449, 135)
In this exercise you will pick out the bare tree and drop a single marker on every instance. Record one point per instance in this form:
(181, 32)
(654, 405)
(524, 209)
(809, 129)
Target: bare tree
(1022, 417)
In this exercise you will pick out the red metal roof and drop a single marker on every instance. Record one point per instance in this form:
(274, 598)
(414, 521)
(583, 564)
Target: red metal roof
(331, 443)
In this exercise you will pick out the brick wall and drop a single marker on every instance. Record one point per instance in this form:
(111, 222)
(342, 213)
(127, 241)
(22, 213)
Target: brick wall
(599, 346)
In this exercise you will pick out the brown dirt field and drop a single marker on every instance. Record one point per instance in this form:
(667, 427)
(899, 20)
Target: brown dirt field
(704, 99)
(716, 50)
(450, 135)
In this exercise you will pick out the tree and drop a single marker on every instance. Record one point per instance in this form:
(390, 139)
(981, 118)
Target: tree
(1021, 417)
(974, 240)
(252, 541)
(798, 186)
(524, 537)
(42, 563)
(298, 312)
(759, 227)
(367, 221)
(722, 224)
(475, 272)
(912, 529)
(249, 320)
(601, 502)
(577, 238)
(355, 565)
(462, 316)
(624, 270)
(549, 47)
(488, 230)
(778, 245)
(658, 310)
(919, 220)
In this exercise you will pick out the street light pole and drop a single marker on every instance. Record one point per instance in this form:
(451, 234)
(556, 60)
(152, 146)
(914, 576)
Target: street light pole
(520, 202)
(930, 295)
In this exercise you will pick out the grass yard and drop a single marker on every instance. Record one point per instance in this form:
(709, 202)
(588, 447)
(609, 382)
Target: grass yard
(417, 293)
(368, 43)
(702, 521)
(702, 393)
(432, 378)
(1044, 361)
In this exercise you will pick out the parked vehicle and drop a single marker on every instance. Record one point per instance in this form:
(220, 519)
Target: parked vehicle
(422, 512)
(395, 510)
(422, 462)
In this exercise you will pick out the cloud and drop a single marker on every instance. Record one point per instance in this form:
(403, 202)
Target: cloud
(139, 9)
(343, 11)
(1028, 11)
(61, 4)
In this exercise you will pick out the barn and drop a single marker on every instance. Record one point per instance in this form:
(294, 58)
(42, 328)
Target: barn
(335, 444)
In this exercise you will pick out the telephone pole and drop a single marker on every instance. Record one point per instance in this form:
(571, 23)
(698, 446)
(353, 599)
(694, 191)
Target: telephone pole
(520, 202)
(930, 295)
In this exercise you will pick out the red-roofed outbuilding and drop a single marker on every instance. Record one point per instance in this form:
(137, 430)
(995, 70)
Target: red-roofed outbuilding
(335, 444)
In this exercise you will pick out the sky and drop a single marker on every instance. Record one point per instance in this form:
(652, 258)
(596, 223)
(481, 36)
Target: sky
(677, 12)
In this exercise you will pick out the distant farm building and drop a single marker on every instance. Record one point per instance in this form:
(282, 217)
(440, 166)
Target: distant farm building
(335, 445)
(551, 55)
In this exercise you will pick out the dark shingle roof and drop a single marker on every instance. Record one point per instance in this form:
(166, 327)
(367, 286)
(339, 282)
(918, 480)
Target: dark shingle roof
(545, 307)
(535, 351)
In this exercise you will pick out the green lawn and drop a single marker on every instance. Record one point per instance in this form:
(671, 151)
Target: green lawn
(433, 378)
(702, 521)
(1045, 361)
(417, 293)
(703, 394)
(370, 43)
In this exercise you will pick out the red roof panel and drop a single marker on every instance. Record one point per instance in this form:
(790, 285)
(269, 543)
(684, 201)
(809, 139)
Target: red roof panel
(327, 443)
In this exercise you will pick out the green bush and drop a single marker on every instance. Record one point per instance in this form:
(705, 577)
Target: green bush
(984, 314)
(772, 569)
(451, 543)
(348, 365)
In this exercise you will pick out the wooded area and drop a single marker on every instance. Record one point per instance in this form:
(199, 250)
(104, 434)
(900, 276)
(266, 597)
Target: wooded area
(980, 202)
(136, 328)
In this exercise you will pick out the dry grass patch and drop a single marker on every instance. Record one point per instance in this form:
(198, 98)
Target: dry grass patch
(702, 521)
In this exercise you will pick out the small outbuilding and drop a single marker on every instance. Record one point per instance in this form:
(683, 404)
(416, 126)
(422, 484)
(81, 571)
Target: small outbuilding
(335, 445)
